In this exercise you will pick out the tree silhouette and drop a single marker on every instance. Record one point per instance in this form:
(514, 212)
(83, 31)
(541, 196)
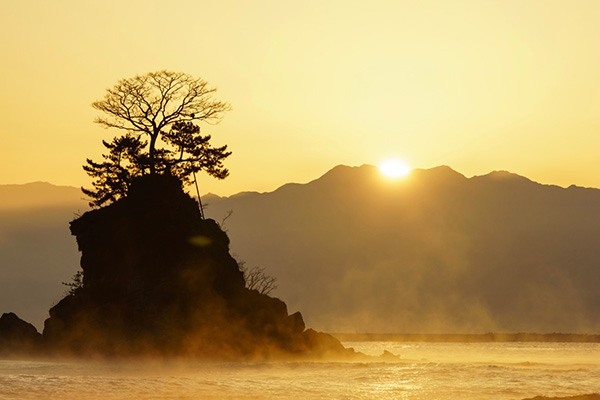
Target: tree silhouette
(113, 176)
(257, 279)
(163, 106)
(76, 283)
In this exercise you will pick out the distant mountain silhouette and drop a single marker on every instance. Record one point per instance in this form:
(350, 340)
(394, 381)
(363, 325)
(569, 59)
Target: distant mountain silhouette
(40, 195)
(37, 252)
(354, 251)
(430, 252)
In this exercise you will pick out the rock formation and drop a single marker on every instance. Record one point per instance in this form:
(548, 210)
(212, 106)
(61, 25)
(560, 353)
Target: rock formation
(18, 337)
(159, 280)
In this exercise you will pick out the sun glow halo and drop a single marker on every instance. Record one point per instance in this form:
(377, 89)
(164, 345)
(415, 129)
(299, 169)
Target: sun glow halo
(394, 168)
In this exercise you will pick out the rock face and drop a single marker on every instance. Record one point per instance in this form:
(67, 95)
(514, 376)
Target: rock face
(159, 280)
(18, 337)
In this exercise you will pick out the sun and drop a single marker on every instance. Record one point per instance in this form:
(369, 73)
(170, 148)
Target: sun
(394, 168)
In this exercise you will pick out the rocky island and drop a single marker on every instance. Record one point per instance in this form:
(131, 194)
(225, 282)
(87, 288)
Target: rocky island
(158, 280)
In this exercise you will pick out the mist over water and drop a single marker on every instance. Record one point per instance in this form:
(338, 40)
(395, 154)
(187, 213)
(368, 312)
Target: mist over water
(451, 293)
(503, 371)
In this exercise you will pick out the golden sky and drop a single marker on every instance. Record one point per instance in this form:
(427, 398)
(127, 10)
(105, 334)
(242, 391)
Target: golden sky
(476, 85)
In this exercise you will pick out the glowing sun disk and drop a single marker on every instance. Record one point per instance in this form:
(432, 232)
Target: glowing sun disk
(394, 168)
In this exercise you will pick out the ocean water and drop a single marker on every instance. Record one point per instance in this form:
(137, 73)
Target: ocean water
(429, 371)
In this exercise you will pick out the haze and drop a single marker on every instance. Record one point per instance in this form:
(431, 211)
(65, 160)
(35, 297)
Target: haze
(479, 86)
(355, 251)
(476, 85)
(430, 252)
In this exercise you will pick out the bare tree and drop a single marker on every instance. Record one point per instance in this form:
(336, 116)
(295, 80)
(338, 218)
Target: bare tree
(162, 106)
(257, 279)
(221, 224)
(149, 104)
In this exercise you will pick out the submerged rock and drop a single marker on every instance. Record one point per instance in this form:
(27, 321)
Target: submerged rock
(159, 280)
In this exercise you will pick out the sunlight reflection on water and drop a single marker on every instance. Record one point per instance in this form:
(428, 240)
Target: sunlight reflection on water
(425, 371)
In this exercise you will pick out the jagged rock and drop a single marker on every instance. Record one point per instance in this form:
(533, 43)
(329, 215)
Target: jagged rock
(18, 337)
(159, 280)
(389, 356)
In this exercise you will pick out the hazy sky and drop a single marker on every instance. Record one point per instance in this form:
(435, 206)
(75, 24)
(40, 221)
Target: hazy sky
(476, 85)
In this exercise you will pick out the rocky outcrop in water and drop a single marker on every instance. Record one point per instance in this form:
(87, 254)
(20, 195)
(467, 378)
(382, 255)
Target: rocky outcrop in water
(159, 280)
(18, 337)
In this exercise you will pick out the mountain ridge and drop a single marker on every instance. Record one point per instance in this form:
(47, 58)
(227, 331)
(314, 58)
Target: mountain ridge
(39, 195)
(464, 244)
(465, 254)
(373, 169)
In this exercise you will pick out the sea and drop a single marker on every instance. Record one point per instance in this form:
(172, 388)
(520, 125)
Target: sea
(502, 371)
